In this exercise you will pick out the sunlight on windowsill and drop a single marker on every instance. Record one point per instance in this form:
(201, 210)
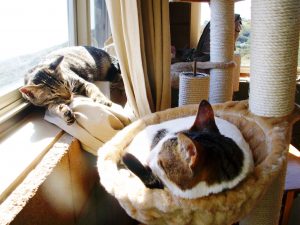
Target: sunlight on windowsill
(21, 150)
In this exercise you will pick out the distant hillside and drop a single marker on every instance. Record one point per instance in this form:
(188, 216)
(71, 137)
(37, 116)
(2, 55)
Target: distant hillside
(13, 70)
(243, 42)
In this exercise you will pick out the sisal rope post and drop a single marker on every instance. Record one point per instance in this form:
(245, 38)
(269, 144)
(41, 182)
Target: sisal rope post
(236, 72)
(273, 69)
(274, 49)
(193, 89)
(221, 49)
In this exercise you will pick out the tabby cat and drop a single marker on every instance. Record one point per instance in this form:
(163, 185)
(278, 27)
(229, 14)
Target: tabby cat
(206, 158)
(69, 71)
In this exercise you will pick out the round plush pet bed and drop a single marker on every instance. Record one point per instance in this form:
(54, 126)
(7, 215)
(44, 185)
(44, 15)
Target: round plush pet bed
(268, 139)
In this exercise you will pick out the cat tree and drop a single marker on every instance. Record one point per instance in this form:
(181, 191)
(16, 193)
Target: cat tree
(265, 122)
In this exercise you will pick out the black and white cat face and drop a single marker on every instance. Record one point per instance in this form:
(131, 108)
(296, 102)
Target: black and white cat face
(45, 85)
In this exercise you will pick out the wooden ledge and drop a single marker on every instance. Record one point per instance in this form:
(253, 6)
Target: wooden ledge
(23, 148)
(19, 196)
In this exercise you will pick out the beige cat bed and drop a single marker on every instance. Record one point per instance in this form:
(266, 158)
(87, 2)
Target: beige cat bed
(95, 123)
(268, 139)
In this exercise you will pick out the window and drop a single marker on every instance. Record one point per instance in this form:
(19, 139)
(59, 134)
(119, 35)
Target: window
(243, 42)
(100, 29)
(29, 30)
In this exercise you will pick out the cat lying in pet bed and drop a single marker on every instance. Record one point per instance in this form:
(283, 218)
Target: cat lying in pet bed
(191, 157)
(169, 201)
(68, 71)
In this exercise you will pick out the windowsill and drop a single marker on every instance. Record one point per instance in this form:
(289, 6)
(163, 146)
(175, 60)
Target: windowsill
(23, 148)
(45, 175)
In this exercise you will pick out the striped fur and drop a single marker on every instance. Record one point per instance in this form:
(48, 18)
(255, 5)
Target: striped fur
(68, 71)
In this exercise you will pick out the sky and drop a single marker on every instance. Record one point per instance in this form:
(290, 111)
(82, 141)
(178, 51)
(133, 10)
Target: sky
(242, 7)
(19, 19)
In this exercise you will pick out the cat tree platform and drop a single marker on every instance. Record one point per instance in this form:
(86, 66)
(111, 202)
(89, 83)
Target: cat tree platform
(268, 138)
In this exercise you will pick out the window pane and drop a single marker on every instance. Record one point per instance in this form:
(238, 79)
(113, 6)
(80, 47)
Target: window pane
(100, 28)
(29, 30)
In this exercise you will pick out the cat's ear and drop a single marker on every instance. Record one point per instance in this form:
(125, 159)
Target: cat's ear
(29, 91)
(205, 120)
(188, 149)
(56, 63)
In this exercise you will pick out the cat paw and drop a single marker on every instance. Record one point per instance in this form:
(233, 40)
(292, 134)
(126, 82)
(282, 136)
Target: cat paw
(106, 102)
(69, 117)
(67, 114)
(102, 100)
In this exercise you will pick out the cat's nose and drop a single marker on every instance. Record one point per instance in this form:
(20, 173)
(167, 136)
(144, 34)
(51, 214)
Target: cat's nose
(68, 96)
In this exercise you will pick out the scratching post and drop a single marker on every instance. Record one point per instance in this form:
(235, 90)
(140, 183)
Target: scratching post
(221, 49)
(274, 41)
(274, 47)
(193, 87)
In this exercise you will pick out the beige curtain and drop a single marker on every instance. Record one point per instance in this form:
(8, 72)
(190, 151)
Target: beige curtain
(141, 33)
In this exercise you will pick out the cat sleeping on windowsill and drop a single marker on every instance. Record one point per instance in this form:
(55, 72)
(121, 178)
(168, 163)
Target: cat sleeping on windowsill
(191, 156)
(68, 71)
